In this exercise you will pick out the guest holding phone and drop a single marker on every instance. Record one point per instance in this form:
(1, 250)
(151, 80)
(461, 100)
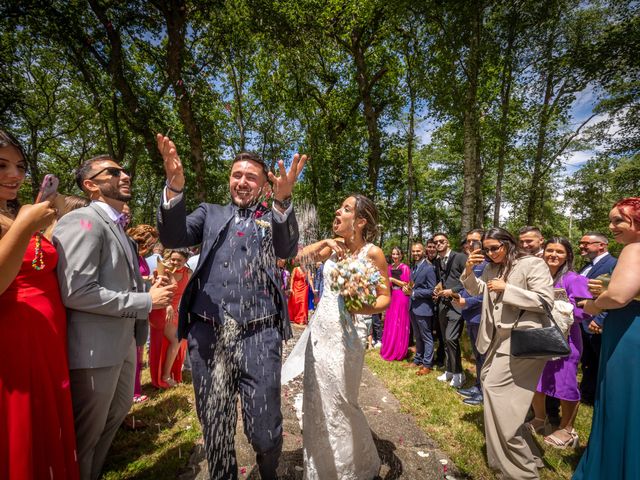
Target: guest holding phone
(395, 333)
(514, 286)
(37, 438)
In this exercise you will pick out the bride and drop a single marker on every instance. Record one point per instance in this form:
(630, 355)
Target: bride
(337, 440)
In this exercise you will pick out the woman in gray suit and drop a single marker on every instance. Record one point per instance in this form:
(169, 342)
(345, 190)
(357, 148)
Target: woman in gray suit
(513, 285)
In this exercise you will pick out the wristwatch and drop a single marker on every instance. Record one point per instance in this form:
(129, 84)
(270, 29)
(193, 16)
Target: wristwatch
(283, 204)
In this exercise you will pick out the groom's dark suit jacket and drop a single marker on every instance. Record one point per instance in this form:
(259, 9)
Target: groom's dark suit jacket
(212, 226)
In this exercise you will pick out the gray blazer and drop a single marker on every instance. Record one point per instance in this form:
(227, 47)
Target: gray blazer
(529, 286)
(102, 290)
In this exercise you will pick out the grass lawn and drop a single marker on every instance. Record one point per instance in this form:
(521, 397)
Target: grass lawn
(162, 450)
(458, 429)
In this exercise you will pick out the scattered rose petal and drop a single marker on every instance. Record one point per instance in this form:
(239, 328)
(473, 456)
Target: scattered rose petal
(422, 454)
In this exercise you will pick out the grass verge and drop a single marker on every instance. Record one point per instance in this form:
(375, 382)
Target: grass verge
(458, 429)
(162, 449)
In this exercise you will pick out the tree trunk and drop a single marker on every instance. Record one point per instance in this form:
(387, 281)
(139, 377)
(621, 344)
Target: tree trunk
(137, 115)
(545, 113)
(365, 86)
(505, 107)
(410, 146)
(472, 170)
(175, 14)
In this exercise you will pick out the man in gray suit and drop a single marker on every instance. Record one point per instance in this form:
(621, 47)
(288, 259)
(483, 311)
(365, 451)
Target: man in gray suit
(233, 311)
(107, 308)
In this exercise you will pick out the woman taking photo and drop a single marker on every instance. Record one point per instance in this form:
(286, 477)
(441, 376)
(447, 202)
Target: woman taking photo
(614, 444)
(514, 286)
(560, 377)
(395, 333)
(37, 437)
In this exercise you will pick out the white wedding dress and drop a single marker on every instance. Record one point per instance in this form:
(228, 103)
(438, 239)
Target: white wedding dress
(337, 441)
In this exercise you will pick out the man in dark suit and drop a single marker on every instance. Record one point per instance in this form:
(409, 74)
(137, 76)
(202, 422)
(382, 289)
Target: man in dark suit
(233, 310)
(423, 277)
(449, 266)
(594, 248)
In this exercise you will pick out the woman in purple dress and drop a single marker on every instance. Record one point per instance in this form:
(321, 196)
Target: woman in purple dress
(559, 377)
(395, 335)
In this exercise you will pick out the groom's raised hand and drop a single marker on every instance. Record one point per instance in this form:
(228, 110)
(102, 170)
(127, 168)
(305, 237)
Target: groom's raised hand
(172, 165)
(283, 184)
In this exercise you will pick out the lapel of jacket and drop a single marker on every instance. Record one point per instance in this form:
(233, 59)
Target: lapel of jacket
(114, 230)
(228, 213)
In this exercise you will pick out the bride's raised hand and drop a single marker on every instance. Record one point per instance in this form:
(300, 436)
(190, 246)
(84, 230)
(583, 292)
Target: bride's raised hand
(339, 247)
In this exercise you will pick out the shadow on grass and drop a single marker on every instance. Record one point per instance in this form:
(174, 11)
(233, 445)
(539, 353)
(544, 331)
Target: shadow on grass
(133, 451)
(476, 418)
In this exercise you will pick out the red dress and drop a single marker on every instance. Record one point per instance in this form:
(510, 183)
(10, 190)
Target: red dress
(37, 436)
(298, 303)
(158, 343)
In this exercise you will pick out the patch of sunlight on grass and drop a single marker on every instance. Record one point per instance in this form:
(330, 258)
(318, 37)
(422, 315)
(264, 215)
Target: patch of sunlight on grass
(162, 450)
(458, 429)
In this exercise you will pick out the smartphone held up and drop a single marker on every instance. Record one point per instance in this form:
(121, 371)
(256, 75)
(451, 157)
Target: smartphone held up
(48, 188)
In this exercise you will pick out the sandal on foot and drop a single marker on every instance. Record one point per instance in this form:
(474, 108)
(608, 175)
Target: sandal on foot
(140, 398)
(170, 381)
(556, 442)
(536, 425)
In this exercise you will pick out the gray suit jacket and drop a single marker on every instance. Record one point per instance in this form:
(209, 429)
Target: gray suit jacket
(102, 290)
(529, 286)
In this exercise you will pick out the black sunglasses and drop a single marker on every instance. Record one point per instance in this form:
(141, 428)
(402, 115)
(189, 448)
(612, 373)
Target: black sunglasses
(493, 249)
(113, 171)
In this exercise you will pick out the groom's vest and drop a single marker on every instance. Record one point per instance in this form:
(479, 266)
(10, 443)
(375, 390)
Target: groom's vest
(234, 277)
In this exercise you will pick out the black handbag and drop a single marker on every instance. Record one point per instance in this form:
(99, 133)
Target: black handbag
(543, 342)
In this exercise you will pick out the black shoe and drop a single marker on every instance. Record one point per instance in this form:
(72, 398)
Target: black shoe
(475, 400)
(469, 392)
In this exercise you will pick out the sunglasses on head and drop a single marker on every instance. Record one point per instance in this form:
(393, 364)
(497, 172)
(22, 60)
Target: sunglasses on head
(492, 249)
(113, 171)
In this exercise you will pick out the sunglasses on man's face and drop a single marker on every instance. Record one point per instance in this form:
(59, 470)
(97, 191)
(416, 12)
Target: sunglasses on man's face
(437, 242)
(492, 249)
(113, 171)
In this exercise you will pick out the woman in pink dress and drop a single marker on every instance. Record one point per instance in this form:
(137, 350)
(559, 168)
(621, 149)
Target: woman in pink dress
(37, 437)
(395, 334)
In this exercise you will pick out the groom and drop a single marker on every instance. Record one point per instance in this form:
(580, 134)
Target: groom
(233, 310)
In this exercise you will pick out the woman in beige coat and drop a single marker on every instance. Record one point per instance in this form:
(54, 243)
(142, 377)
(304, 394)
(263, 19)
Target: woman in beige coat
(512, 284)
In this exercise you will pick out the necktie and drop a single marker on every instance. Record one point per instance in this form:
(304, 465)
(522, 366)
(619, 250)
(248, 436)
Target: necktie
(122, 220)
(244, 212)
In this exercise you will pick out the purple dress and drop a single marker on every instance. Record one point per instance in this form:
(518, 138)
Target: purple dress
(559, 378)
(395, 336)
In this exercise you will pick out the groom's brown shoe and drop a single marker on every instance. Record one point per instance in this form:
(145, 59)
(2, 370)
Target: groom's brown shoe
(424, 371)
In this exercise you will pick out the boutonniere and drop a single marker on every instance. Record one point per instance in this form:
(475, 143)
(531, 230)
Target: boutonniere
(263, 224)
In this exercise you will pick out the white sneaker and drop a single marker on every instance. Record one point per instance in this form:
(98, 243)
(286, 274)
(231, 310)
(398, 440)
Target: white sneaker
(377, 345)
(445, 377)
(457, 380)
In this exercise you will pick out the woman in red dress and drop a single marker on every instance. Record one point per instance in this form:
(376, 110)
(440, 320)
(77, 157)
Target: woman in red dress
(166, 353)
(299, 296)
(37, 437)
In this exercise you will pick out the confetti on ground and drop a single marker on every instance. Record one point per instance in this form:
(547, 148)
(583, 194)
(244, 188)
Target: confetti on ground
(422, 454)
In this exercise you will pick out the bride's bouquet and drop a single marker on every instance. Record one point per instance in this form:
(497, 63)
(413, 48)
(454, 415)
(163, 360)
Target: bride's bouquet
(356, 280)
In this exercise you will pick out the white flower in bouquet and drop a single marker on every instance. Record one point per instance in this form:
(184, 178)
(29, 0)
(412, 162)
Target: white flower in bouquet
(356, 280)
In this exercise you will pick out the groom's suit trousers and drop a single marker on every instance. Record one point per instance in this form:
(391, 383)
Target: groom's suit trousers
(225, 363)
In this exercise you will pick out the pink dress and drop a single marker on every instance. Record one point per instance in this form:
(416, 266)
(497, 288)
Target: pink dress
(395, 335)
